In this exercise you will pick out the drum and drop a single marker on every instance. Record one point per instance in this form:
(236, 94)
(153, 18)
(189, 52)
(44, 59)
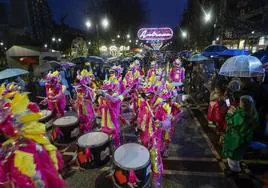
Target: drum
(47, 115)
(65, 129)
(132, 165)
(93, 149)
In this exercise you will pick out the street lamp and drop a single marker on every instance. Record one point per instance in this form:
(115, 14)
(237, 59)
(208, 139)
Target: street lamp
(118, 36)
(207, 16)
(128, 36)
(89, 43)
(129, 41)
(105, 22)
(53, 39)
(88, 24)
(137, 41)
(184, 34)
(252, 32)
(1, 44)
(45, 46)
(59, 39)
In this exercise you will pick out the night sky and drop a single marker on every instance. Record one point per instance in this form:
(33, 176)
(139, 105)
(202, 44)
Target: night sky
(162, 12)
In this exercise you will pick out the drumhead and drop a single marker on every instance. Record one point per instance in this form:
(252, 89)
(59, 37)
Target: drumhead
(45, 114)
(93, 139)
(131, 156)
(65, 121)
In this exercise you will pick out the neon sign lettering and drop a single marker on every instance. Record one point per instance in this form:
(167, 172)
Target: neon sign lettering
(155, 34)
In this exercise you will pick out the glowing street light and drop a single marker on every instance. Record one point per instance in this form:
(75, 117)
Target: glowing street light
(207, 16)
(252, 32)
(184, 34)
(59, 39)
(45, 45)
(89, 43)
(53, 39)
(137, 41)
(105, 23)
(88, 24)
(129, 41)
(118, 36)
(128, 36)
(1, 44)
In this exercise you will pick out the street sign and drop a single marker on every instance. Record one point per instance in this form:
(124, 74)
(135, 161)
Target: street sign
(155, 33)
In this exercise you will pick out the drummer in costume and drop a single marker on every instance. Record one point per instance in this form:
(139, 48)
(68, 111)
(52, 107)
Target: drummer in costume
(26, 146)
(133, 81)
(110, 101)
(145, 116)
(170, 113)
(115, 79)
(177, 75)
(84, 102)
(152, 71)
(55, 94)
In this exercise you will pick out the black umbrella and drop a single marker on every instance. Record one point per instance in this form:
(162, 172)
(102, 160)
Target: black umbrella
(48, 58)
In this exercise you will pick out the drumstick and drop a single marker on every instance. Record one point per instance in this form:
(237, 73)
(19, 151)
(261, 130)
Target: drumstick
(39, 97)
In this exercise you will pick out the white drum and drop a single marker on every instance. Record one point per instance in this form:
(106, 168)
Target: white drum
(46, 116)
(130, 158)
(65, 129)
(99, 145)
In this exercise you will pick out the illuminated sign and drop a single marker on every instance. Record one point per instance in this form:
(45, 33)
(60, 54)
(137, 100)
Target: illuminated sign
(155, 33)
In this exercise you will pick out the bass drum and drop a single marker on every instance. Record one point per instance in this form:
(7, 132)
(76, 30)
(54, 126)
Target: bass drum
(132, 166)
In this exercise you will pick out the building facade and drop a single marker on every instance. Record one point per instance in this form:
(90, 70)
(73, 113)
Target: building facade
(236, 24)
(32, 18)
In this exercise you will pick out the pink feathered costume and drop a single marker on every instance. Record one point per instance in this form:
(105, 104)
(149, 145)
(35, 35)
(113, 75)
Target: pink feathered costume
(84, 101)
(55, 97)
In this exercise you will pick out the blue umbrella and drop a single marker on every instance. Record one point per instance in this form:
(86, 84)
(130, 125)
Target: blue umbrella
(12, 72)
(79, 60)
(96, 59)
(198, 57)
(212, 50)
(262, 55)
(231, 52)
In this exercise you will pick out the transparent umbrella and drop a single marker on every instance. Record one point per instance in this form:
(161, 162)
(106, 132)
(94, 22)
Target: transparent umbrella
(12, 72)
(242, 66)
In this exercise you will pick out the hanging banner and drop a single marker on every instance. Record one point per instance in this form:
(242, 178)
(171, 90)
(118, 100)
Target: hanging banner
(155, 33)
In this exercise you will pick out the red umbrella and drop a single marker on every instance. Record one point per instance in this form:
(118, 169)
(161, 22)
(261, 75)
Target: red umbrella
(28, 60)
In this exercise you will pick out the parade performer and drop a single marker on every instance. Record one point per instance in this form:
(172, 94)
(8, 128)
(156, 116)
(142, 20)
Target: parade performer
(27, 159)
(155, 150)
(145, 116)
(110, 106)
(133, 81)
(177, 75)
(133, 77)
(83, 104)
(115, 79)
(171, 111)
(55, 94)
(151, 74)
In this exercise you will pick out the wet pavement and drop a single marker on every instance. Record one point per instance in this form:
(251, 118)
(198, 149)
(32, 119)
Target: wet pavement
(193, 162)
